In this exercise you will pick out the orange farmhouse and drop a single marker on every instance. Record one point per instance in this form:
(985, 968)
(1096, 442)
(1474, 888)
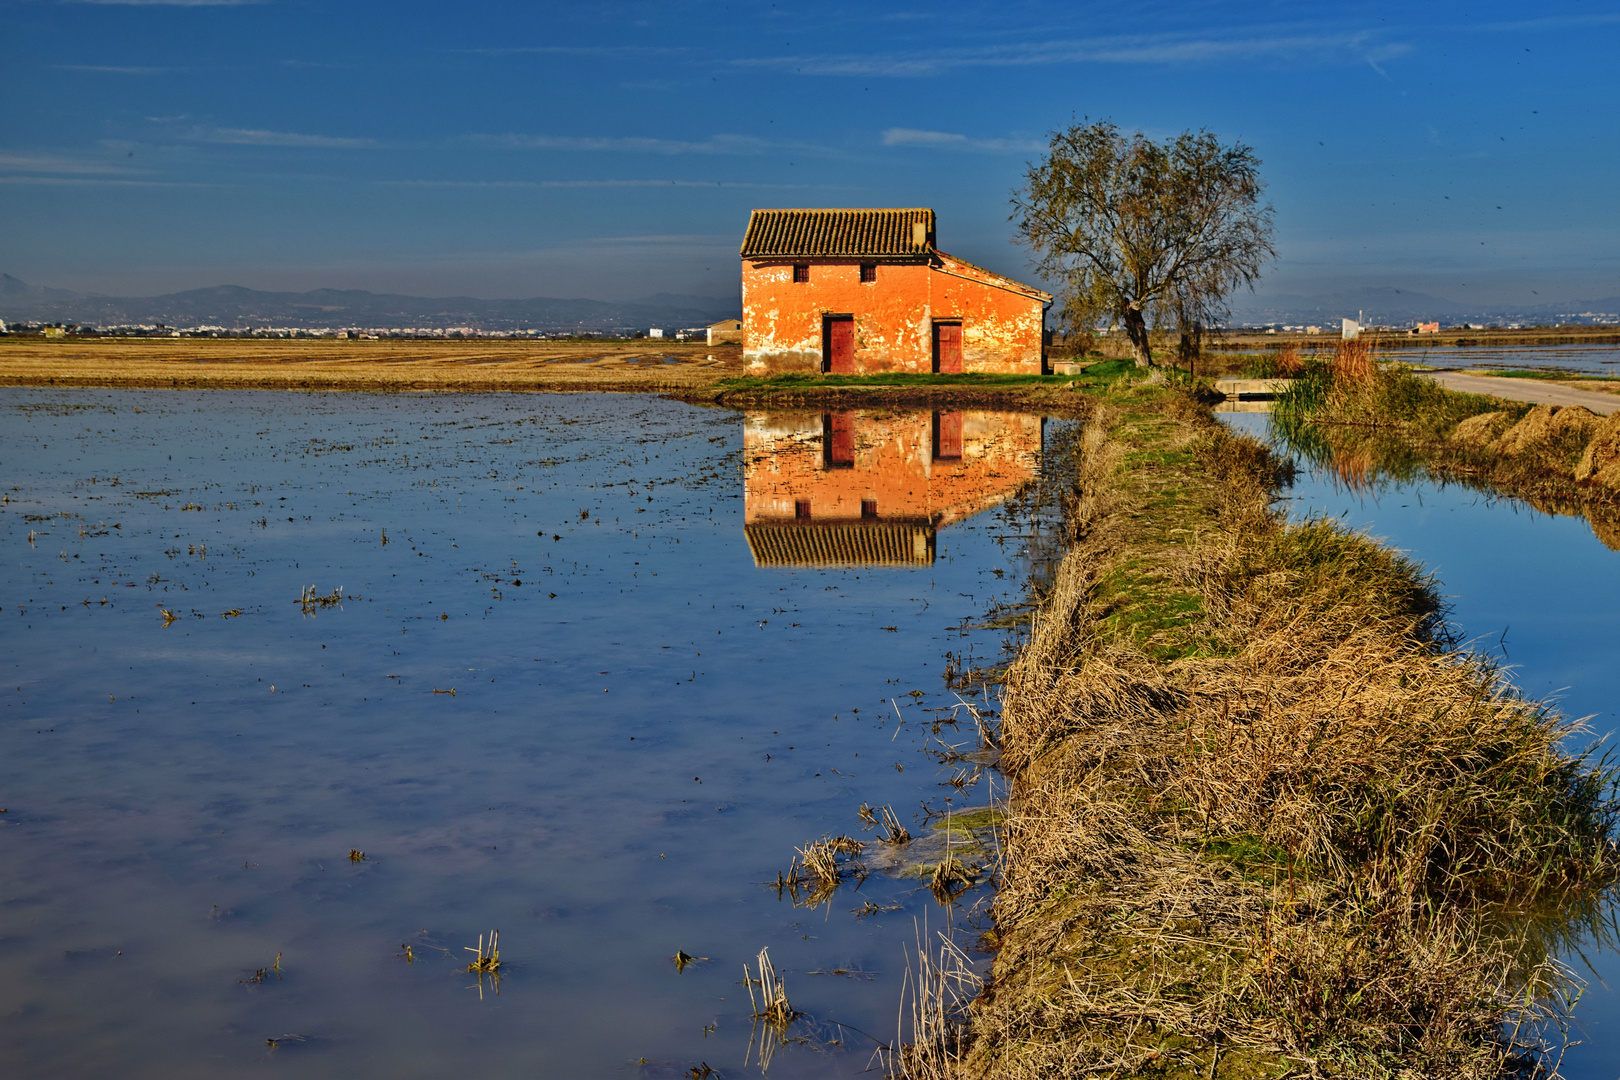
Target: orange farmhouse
(862, 291)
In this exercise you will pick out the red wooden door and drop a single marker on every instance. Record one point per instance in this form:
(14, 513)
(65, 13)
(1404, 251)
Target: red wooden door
(948, 348)
(841, 346)
(838, 439)
(947, 436)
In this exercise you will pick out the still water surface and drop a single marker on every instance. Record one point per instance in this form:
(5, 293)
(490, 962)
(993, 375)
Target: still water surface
(598, 665)
(1581, 359)
(1540, 593)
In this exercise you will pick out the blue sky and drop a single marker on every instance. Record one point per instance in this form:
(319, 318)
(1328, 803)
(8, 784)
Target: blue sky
(614, 150)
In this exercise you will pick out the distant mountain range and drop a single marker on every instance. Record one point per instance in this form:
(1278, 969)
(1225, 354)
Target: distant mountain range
(1399, 307)
(235, 307)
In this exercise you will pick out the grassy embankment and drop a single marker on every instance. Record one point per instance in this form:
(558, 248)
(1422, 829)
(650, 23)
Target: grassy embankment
(1365, 420)
(1265, 820)
(1058, 393)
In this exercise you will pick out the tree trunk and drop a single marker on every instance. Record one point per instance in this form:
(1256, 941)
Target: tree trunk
(1192, 344)
(1137, 331)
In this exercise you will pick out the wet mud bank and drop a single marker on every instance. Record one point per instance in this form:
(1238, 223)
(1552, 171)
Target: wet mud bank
(1267, 818)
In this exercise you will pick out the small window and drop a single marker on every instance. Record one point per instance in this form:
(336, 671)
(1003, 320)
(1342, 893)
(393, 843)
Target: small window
(868, 508)
(801, 509)
(868, 272)
(801, 272)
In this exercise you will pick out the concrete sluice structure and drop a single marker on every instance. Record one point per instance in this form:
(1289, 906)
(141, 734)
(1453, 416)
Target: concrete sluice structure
(872, 487)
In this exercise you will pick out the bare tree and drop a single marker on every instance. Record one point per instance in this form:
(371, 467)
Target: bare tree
(1143, 233)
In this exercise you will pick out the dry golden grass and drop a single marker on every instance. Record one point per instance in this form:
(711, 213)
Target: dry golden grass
(1289, 363)
(339, 364)
(1266, 821)
(1354, 361)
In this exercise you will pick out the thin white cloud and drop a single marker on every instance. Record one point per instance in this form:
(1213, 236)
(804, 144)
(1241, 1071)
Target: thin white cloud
(1162, 49)
(169, 3)
(56, 163)
(536, 184)
(579, 50)
(96, 181)
(1551, 22)
(260, 137)
(945, 140)
(104, 69)
(717, 144)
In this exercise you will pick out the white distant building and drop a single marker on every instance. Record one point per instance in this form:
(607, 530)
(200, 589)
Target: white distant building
(1350, 330)
(655, 332)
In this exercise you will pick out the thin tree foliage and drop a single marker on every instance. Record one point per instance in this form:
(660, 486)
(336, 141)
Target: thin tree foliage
(1142, 233)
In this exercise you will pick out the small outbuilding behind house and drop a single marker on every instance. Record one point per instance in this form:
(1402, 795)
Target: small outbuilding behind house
(724, 331)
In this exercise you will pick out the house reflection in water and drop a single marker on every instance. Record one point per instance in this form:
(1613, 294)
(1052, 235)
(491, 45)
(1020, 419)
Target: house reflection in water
(870, 487)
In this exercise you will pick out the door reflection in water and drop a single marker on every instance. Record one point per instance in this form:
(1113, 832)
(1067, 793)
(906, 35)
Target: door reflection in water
(871, 487)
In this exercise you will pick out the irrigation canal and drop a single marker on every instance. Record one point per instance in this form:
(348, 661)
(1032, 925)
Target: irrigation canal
(1542, 595)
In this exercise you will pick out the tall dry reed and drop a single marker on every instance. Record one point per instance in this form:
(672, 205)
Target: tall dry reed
(1289, 364)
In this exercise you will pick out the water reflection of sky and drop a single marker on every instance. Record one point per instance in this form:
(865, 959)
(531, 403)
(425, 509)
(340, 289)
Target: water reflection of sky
(644, 725)
(1584, 359)
(1540, 592)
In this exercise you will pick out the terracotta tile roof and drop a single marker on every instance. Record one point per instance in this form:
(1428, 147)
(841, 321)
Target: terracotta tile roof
(885, 233)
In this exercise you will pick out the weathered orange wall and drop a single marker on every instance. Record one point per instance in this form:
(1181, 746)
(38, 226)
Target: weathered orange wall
(783, 463)
(894, 316)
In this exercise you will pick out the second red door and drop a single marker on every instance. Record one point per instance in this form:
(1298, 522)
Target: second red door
(841, 346)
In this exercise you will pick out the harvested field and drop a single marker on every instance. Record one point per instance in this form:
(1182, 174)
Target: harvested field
(1266, 819)
(340, 364)
(690, 372)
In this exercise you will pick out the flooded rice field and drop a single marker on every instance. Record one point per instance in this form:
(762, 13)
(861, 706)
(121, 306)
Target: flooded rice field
(304, 695)
(1577, 359)
(1541, 594)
